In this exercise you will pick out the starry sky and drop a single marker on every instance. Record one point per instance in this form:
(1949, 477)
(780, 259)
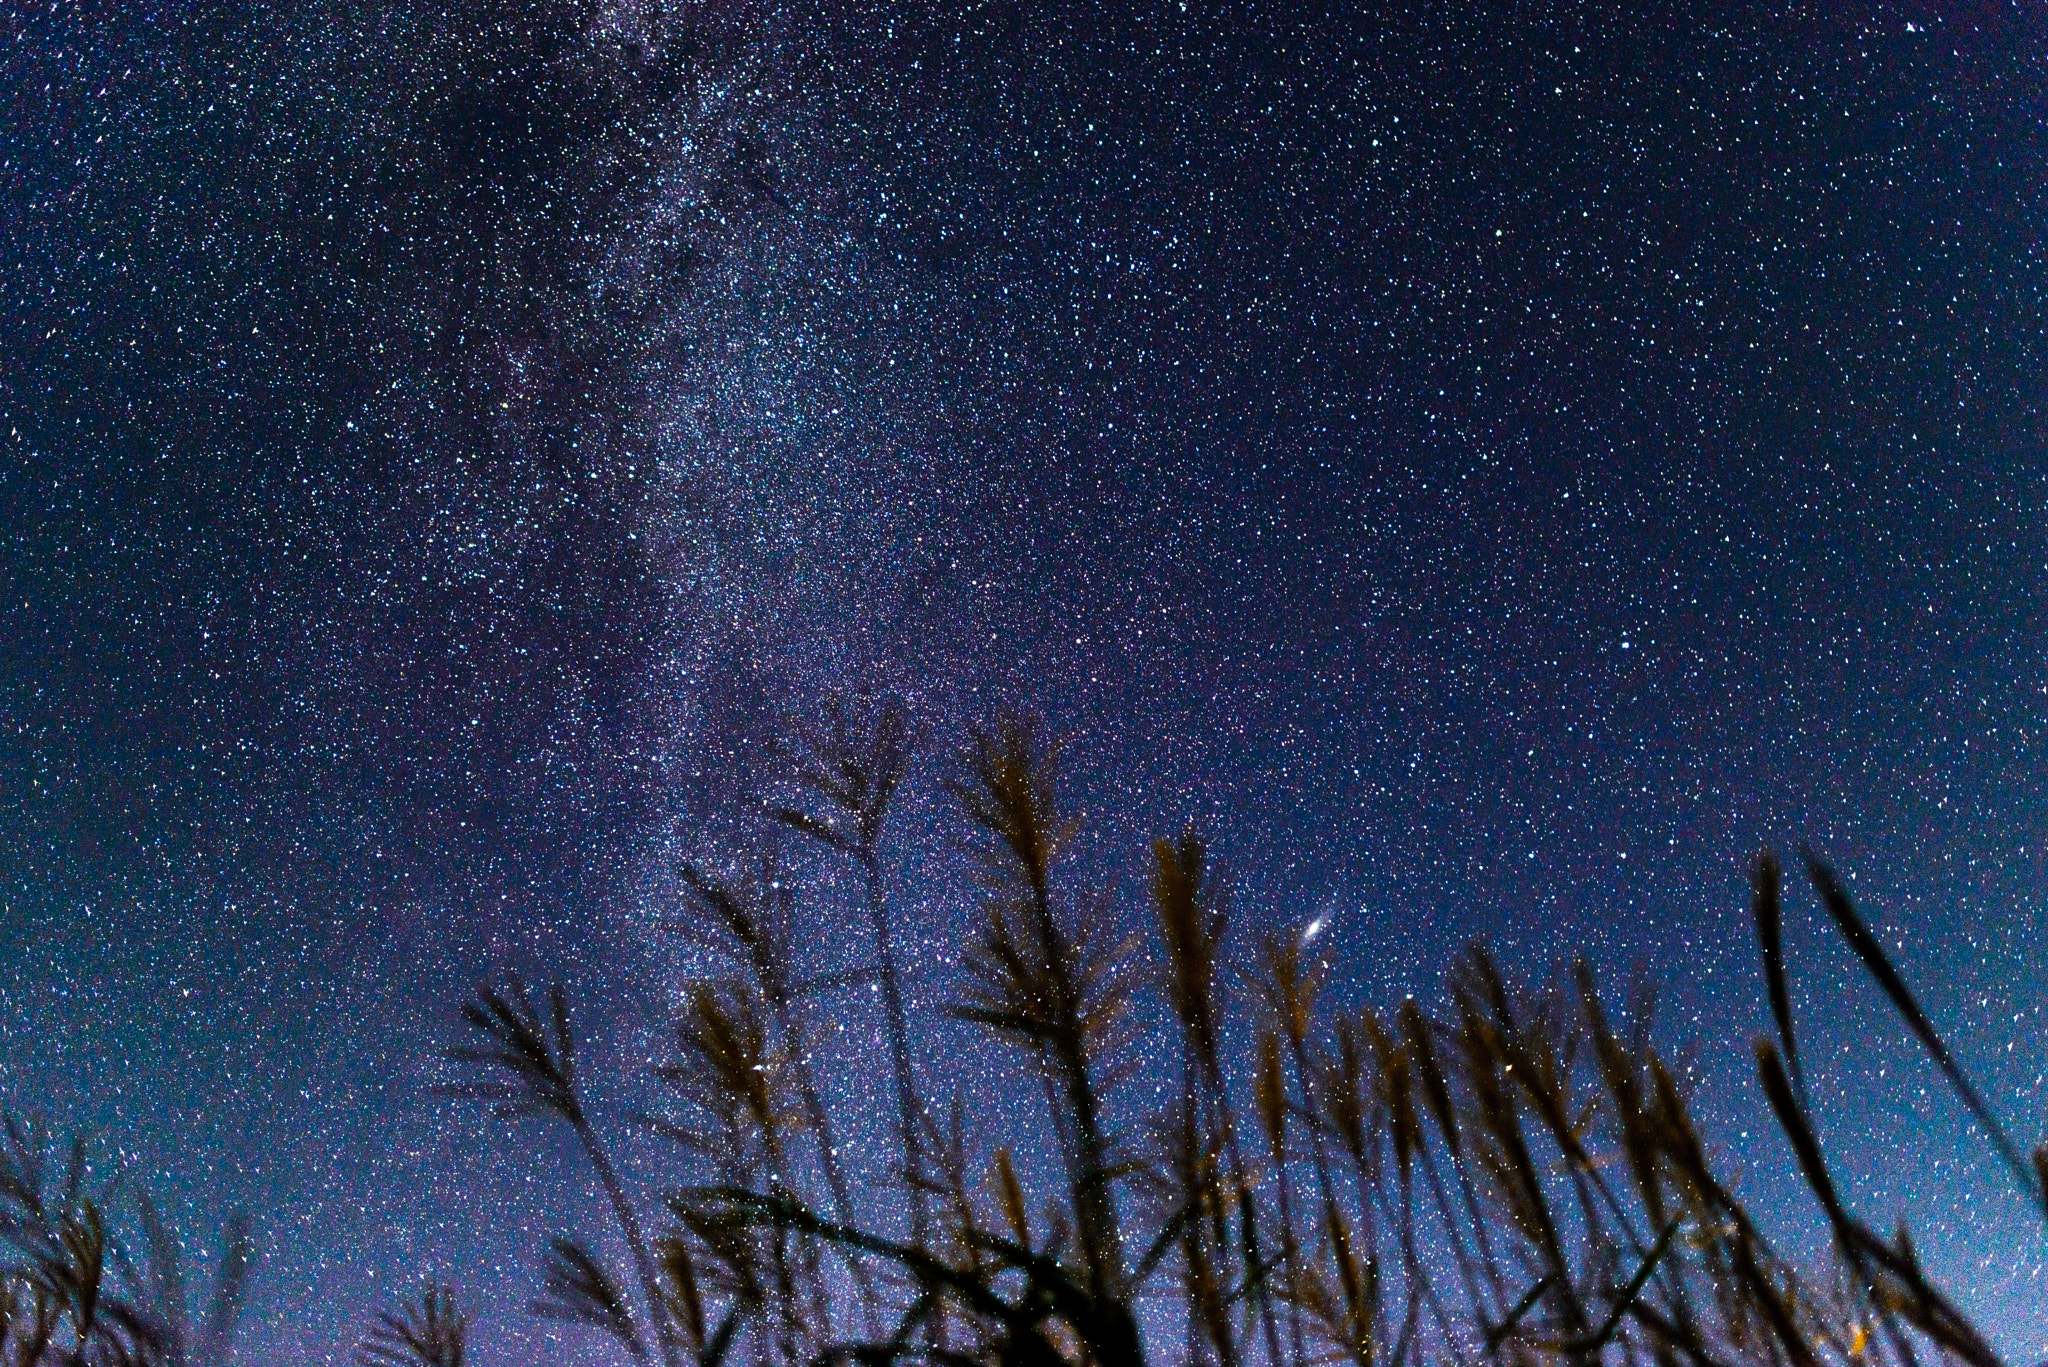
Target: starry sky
(1492, 467)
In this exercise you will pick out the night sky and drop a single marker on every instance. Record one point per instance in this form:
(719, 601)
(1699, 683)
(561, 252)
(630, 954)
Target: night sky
(1493, 469)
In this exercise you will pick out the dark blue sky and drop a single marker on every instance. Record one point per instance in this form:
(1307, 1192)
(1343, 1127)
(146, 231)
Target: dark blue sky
(1494, 467)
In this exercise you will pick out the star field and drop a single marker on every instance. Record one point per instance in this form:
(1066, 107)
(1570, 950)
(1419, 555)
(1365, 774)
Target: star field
(1493, 468)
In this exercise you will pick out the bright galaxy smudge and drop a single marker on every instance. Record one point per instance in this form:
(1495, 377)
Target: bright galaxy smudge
(1509, 462)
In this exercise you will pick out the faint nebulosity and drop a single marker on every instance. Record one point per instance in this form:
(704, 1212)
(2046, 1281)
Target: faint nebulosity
(1492, 468)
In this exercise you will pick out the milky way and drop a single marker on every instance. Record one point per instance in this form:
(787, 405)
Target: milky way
(1493, 469)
